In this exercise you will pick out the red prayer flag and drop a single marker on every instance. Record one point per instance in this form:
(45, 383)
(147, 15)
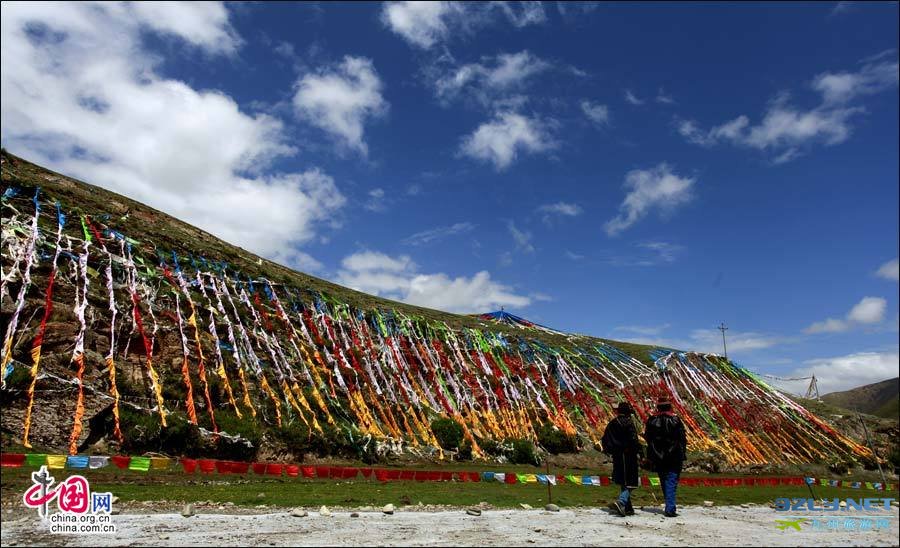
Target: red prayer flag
(366, 472)
(189, 465)
(222, 467)
(259, 468)
(273, 469)
(239, 467)
(292, 470)
(207, 465)
(407, 474)
(349, 473)
(393, 474)
(308, 471)
(511, 478)
(12, 459)
(421, 475)
(121, 461)
(381, 474)
(446, 476)
(322, 471)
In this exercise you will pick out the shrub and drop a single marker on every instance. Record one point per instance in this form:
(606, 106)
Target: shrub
(492, 448)
(246, 427)
(522, 452)
(465, 451)
(448, 432)
(556, 441)
(182, 438)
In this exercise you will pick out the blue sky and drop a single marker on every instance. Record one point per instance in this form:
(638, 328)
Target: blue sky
(633, 171)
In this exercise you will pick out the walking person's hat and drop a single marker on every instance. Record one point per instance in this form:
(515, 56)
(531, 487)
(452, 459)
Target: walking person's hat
(624, 408)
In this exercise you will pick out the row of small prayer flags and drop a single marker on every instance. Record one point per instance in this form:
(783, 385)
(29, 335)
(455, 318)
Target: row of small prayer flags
(84, 462)
(208, 466)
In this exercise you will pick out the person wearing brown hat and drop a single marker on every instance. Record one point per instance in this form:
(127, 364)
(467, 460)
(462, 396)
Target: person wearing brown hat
(666, 449)
(620, 440)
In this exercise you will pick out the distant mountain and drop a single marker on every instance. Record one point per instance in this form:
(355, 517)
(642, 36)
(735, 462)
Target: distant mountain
(880, 398)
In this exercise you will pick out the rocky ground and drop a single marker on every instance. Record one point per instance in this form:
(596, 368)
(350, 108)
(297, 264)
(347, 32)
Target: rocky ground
(163, 524)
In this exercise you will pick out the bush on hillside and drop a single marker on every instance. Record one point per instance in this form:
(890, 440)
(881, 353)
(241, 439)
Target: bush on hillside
(448, 432)
(556, 441)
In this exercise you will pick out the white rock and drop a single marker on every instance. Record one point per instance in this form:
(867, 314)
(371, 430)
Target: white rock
(525, 506)
(324, 512)
(473, 511)
(299, 513)
(388, 509)
(708, 503)
(188, 510)
(551, 508)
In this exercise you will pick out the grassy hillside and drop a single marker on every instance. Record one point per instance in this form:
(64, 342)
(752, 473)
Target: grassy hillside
(880, 398)
(167, 232)
(331, 372)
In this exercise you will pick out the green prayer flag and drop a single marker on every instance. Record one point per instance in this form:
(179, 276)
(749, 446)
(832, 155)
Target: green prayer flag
(35, 459)
(523, 478)
(141, 464)
(654, 481)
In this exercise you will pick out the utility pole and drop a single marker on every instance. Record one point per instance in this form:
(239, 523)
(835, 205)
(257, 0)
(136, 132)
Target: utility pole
(723, 328)
(813, 390)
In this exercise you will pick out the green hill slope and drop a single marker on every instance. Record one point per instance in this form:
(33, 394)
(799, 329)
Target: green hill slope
(880, 399)
(129, 330)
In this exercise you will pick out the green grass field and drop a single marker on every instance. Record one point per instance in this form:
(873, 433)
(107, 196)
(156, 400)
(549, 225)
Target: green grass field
(244, 490)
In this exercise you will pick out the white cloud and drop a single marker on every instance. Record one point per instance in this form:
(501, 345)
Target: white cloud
(426, 24)
(376, 200)
(666, 252)
(559, 209)
(599, 114)
(340, 99)
(632, 98)
(842, 7)
(81, 95)
(439, 233)
(489, 80)
(422, 24)
(869, 310)
(643, 329)
(648, 254)
(785, 130)
(664, 98)
(398, 278)
(841, 87)
(574, 256)
(500, 140)
(203, 24)
(528, 13)
(831, 325)
(889, 270)
(521, 237)
(710, 340)
(656, 188)
(849, 371)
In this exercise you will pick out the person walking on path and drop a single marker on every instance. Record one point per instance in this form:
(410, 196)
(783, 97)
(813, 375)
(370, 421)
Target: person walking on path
(620, 439)
(666, 449)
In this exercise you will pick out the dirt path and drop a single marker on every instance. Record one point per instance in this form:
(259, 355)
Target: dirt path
(724, 526)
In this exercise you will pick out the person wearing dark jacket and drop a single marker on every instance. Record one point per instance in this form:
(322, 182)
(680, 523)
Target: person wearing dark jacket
(666, 449)
(620, 440)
